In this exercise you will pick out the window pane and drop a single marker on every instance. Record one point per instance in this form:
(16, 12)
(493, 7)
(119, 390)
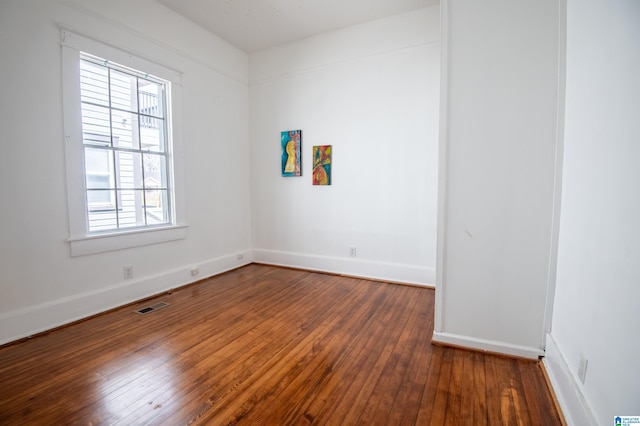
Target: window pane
(95, 125)
(101, 200)
(98, 166)
(128, 170)
(155, 167)
(151, 98)
(156, 206)
(102, 220)
(125, 129)
(152, 134)
(130, 211)
(94, 83)
(125, 138)
(124, 91)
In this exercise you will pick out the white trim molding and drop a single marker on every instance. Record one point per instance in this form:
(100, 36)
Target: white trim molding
(559, 160)
(100, 243)
(449, 339)
(571, 400)
(443, 157)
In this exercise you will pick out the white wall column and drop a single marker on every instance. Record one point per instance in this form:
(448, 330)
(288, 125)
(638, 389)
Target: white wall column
(498, 173)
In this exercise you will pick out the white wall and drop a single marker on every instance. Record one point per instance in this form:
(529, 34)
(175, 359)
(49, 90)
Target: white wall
(41, 286)
(597, 298)
(498, 162)
(370, 91)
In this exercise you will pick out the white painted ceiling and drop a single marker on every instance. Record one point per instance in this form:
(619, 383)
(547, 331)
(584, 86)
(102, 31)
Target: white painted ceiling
(254, 25)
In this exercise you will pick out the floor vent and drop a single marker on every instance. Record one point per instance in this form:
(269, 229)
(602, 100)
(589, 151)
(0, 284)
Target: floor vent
(152, 308)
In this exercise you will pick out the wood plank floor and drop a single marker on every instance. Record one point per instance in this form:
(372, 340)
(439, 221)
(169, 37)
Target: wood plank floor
(268, 346)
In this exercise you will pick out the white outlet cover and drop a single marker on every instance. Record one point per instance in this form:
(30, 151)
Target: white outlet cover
(127, 271)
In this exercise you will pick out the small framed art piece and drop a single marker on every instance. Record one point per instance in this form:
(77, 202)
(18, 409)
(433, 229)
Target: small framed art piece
(291, 142)
(322, 165)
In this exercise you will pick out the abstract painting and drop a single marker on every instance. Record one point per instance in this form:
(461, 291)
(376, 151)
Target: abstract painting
(291, 142)
(322, 165)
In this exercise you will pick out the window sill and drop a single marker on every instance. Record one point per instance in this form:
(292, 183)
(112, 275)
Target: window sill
(100, 243)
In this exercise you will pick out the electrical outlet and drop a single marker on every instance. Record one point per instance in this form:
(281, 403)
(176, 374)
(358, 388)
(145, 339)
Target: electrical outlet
(353, 251)
(127, 272)
(582, 367)
(195, 271)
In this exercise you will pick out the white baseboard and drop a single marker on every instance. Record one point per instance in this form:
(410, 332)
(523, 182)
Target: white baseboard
(487, 345)
(31, 320)
(393, 272)
(572, 402)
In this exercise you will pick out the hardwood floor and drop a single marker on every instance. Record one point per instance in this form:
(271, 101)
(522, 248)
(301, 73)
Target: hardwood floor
(264, 345)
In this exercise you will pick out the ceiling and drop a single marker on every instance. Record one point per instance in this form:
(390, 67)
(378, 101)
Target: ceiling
(254, 25)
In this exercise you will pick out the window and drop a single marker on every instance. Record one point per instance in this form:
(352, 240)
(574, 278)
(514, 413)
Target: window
(121, 144)
(124, 133)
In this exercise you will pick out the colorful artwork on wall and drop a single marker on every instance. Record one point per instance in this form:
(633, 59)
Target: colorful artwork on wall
(322, 165)
(291, 142)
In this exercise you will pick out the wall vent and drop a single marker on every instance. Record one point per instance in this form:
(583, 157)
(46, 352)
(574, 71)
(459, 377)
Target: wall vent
(152, 308)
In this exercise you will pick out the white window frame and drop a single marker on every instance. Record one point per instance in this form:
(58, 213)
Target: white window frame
(81, 241)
